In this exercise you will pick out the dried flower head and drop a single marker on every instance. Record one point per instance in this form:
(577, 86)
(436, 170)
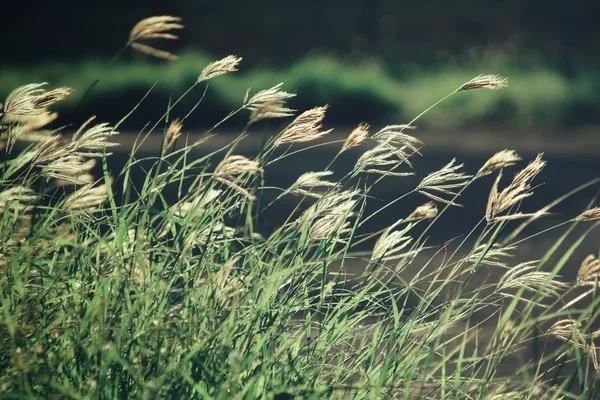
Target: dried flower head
(32, 99)
(356, 137)
(17, 198)
(227, 170)
(306, 127)
(92, 141)
(311, 180)
(526, 275)
(502, 159)
(592, 214)
(72, 169)
(154, 28)
(443, 181)
(589, 272)
(390, 244)
(379, 156)
(328, 218)
(218, 68)
(272, 95)
(491, 82)
(518, 190)
(492, 256)
(173, 133)
(270, 110)
(85, 200)
(426, 211)
(393, 135)
(565, 329)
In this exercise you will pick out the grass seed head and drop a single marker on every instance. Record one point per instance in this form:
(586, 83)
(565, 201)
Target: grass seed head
(526, 275)
(158, 27)
(593, 214)
(33, 99)
(426, 211)
(502, 159)
(356, 137)
(490, 82)
(311, 180)
(221, 67)
(443, 181)
(305, 128)
(589, 272)
(173, 133)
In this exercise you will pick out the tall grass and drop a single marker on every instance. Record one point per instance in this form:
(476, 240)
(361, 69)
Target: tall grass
(111, 289)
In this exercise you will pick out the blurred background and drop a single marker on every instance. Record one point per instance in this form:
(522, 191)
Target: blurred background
(380, 61)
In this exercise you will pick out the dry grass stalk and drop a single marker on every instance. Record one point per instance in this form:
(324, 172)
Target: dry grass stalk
(218, 68)
(327, 218)
(426, 211)
(92, 140)
(274, 94)
(270, 110)
(227, 170)
(491, 82)
(390, 244)
(71, 169)
(173, 133)
(86, 199)
(518, 190)
(311, 180)
(443, 181)
(306, 127)
(154, 28)
(492, 257)
(526, 276)
(593, 214)
(17, 198)
(589, 272)
(382, 155)
(32, 99)
(502, 159)
(356, 137)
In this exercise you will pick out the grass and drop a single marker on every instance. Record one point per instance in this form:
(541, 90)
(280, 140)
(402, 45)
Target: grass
(168, 287)
(538, 97)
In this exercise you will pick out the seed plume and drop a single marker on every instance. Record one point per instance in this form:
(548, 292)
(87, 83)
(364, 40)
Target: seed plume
(443, 181)
(227, 170)
(173, 133)
(158, 27)
(356, 137)
(502, 159)
(426, 211)
(391, 243)
(518, 190)
(526, 275)
(33, 99)
(306, 127)
(592, 214)
(491, 82)
(311, 180)
(589, 272)
(218, 68)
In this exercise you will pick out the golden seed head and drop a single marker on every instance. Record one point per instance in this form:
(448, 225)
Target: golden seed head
(357, 136)
(491, 82)
(502, 159)
(218, 68)
(154, 28)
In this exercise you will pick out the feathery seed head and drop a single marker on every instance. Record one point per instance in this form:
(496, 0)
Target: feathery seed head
(17, 198)
(592, 214)
(236, 165)
(196, 207)
(274, 94)
(270, 110)
(154, 28)
(382, 155)
(327, 218)
(518, 190)
(93, 140)
(565, 329)
(71, 169)
(86, 199)
(526, 275)
(218, 68)
(491, 82)
(589, 272)
(390, 244)
(311, 180)
(426, 211)
(502, 159)
(356, 137)
(173, 133)
(443, 181)
(306, 127)
(493, 255)
(32, 99)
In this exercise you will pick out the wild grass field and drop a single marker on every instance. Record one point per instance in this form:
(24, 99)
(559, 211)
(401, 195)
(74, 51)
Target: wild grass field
(170, 286)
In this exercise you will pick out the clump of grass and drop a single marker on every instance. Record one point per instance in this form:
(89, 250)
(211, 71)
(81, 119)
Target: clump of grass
(108, 289)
